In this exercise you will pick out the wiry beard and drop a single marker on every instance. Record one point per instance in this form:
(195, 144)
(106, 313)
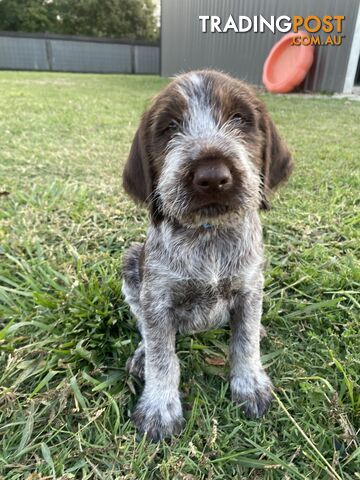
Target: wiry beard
(220, 220)
(182, 211)
(177, 203)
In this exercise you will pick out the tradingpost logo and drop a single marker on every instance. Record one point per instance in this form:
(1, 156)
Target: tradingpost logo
(312, 24)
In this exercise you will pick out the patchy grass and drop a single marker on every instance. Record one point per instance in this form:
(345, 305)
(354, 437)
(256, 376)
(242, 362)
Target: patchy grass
(65, 333)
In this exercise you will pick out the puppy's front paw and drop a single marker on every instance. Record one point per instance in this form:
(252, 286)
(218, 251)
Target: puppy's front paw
(158, 419)
(253, 391)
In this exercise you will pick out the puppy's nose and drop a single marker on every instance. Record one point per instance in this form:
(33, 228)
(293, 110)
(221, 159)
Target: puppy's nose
(209, 178)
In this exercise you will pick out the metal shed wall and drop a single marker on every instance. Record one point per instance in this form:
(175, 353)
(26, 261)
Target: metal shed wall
(184, 47)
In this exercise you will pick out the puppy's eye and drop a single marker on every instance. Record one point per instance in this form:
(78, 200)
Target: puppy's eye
(237, 118)
(173, 126)
(243, 121)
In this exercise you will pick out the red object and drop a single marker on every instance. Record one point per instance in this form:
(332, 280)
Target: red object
(287, 65)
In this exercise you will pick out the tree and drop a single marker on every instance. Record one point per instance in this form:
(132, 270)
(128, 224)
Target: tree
(108, 18)
(103, 18)
(27, 15)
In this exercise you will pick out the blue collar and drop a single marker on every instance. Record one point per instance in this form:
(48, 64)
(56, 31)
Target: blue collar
(207, 226)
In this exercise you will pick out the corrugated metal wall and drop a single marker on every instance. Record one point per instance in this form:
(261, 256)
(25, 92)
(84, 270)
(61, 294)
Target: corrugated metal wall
(185, 47)
(23, 53)
(72, 55)
(90, 57)
(147, 59)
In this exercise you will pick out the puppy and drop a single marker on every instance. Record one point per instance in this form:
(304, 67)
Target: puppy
(204, 159)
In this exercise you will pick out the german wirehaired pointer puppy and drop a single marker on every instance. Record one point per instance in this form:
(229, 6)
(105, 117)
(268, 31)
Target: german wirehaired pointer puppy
(204, 159)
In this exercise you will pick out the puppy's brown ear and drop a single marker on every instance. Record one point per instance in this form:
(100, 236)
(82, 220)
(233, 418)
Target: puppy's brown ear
(137, 177)
(277, 161)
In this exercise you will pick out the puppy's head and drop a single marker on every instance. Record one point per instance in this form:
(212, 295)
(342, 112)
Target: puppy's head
(205, 150)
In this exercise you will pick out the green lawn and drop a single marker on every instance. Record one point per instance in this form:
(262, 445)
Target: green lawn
(65, 332)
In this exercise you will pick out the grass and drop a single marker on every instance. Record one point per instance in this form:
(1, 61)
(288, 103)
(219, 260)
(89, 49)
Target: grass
(65, 332)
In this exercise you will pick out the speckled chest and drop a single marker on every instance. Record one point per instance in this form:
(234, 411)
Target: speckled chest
(198, 278)
(202, 305)
(189, 293)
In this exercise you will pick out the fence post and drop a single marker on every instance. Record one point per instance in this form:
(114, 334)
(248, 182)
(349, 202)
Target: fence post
(49, 53)
(133, 65)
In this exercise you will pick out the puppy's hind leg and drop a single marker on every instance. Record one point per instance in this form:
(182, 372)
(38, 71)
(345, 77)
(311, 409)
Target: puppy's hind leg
(132, 275)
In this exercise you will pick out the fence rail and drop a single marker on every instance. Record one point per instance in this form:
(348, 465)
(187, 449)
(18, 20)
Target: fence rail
(44, 52)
